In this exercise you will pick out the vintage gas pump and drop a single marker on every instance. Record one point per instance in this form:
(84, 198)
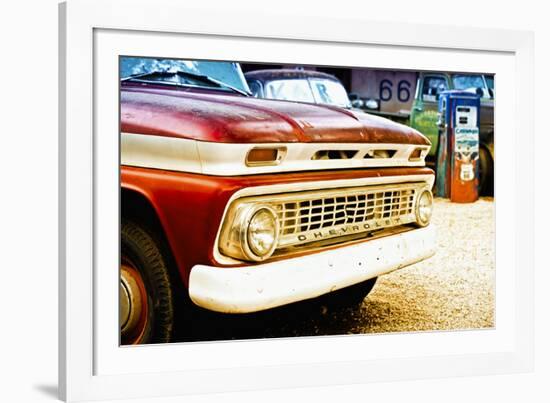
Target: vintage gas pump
(457, 171)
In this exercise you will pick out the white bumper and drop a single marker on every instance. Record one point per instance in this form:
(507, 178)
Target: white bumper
(264, 286)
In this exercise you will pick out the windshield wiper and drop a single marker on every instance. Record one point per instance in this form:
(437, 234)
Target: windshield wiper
(185, 74)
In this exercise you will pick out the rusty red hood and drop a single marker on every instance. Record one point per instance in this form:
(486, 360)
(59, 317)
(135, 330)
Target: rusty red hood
(217, 117)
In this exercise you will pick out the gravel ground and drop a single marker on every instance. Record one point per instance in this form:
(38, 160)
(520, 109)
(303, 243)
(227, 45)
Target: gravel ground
(452, 290)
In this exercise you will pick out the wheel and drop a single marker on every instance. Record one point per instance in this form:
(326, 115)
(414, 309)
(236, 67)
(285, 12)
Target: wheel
(485, 172)
(350, 296)
(146, 301)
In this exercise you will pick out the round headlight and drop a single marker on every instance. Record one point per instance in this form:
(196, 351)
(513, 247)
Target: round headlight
(261, 233)
(424, 207)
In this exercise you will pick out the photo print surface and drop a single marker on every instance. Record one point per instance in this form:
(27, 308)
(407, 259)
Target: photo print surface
(263, 200)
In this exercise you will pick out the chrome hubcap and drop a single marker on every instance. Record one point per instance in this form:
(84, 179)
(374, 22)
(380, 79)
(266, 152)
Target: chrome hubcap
(124, 305)
(133, 305)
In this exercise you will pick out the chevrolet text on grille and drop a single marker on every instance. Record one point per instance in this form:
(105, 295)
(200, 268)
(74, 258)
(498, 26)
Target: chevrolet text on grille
(348, 229)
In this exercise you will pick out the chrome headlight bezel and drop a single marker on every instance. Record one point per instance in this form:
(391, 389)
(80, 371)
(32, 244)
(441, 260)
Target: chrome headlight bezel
(424, 201)
(237, 242)
(249, 249)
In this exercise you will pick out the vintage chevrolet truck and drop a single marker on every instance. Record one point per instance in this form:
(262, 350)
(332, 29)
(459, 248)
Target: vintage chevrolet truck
(238, 204)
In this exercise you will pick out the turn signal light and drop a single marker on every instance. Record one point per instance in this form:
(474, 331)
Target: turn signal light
(416, 155)
(265, 156)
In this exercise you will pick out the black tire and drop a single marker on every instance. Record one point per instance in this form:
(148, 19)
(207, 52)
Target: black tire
(485, 172)
(141, 252)
(351, 296)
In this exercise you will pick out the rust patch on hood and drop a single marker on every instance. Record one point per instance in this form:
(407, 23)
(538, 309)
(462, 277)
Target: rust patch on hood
(217, 117)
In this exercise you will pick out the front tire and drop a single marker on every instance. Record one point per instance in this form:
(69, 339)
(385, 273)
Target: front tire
(146, 300)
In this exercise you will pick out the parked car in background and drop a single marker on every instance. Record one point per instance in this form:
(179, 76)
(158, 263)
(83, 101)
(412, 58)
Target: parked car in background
(298, 85)
(238, 204)
(424, 114)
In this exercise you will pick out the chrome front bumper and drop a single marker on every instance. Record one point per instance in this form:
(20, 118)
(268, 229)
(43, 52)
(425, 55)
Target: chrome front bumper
(263, 286)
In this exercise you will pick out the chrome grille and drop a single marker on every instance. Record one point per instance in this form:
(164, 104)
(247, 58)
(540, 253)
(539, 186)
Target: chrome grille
(319, 218)
(314, 216)
(331, 211)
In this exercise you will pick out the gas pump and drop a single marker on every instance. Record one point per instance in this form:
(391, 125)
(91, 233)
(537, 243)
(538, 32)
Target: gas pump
(457, 171)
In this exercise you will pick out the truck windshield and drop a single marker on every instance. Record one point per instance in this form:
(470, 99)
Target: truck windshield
(470, 83)
(329, 92)
(490, 80)
(192, 72)
(313, 90)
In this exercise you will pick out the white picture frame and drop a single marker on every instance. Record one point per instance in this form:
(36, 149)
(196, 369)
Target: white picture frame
(92, 366)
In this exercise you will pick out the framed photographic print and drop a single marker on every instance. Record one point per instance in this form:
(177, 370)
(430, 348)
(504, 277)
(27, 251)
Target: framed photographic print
(246, 209)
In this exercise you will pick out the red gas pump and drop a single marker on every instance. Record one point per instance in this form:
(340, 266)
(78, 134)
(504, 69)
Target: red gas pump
(457, 168)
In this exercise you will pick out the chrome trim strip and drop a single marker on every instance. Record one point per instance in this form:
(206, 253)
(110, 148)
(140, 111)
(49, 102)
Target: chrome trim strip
(159, 152)
(229, 159)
